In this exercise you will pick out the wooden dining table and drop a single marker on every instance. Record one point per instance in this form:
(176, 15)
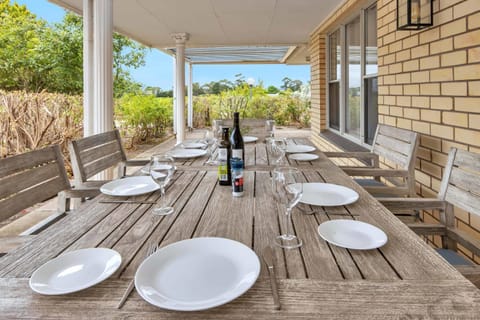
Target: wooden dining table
(405, 278)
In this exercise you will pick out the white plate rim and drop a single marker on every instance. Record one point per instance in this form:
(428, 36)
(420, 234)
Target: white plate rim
(354, 197)
(306, 148)
(308, 156)
(193, 153)
(381, 241)
(114, 254)
(104, 188)
(193, 145)
(249, 139)
(207, 306)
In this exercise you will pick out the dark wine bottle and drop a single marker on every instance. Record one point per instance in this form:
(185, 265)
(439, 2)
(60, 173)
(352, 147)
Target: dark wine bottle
(236, 139)
(224, 155)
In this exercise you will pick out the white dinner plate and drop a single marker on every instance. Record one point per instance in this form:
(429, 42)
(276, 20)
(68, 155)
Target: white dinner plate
(352, 234)
(187, 153)
(248, 139)
(303, 156)
(75, 271)
(193, 145)
(299, 148)
(327, 194)
(197, 274)
(130, 186)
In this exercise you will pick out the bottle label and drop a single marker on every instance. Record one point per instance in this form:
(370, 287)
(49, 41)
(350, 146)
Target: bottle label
(222, 154)
(238, 184)
(237, 153)
(223, 171)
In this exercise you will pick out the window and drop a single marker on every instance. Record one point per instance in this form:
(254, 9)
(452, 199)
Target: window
(352, 99)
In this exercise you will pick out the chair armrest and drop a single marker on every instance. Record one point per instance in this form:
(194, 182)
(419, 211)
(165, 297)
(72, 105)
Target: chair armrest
(465, 239)
(426, 229)
(394, 204)
(375, 172)
(136, 163)
(360, 155)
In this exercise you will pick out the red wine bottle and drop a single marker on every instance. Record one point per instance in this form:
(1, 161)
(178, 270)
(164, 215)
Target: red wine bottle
(236, 139)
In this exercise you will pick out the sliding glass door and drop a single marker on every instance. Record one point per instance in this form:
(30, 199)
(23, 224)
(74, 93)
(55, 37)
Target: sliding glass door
(334, 80)
(352, 103)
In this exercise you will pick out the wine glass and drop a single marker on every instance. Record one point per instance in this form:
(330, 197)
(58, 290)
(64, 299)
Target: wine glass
(162, 168)
(210, 139)
(287, 190)
(277, 148)
(270, 128)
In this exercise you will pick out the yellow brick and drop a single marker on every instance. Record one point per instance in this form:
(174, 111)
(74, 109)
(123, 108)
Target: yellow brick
(441, 74)
(424, 153)
(471, 137)
(474, 88)
(430, 115)
(441, 46)
(404, 123)
(402, 55)
(411, 65)
(419, 77)
(467, 104)
(396, 111)
(454, 89)
(431, 143)
(382, 109)
(445, 132)
(439, 158)
(410, 42)
(442, 17)
(404, 101)
(442, 103)
(389, 59)
(395, 68)
(421, 102)
(396, 90)
(452, 28)
(420, 126)
(390, 100)
(403, 78)
(447, 145)
(413, 89)
(430, 62)
(468, 39)
(455, 119)
(382, 70)
(389, 38)
(411, 113)
(474, 21)
(420, 51)
(474, 121)
(447, 3)
(469, 72)
(422, 178)
(454, 58)
(474, 55)
(430, 89)
(431, 169)
(391, 121)
(389, 79)
(464, 8)
(383, 90)
(430, 35)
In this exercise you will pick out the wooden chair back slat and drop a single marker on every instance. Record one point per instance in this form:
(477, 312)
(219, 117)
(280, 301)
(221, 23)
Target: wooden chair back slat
(397, 133)
(397, 145)
(31, 178)
(399, 159)
(461, 181)
(96, 153)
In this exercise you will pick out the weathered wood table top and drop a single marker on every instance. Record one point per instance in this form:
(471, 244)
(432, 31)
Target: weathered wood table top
(404, 278)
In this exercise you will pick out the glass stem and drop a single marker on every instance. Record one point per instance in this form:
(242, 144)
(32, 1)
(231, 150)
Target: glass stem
(289, 223)
(163, 201)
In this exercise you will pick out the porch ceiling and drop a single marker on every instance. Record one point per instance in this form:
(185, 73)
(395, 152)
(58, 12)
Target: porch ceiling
(267, 24)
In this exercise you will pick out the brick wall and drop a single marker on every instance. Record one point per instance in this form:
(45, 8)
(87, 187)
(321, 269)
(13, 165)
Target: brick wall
(429, 82)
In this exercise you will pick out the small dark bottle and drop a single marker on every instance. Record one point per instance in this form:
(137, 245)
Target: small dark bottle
(236, 139)
(224, 155)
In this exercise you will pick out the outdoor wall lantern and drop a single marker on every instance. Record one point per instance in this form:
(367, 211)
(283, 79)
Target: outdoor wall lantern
(414, 14)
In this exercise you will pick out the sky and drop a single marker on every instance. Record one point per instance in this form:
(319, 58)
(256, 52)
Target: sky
(158, 69)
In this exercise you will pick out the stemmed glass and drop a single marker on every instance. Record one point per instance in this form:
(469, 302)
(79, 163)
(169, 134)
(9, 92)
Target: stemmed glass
(162, 169)
(277, 148)
(210, 139)
(287, 190)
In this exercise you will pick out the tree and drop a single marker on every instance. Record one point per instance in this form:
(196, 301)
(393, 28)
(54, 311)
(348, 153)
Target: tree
(289, 84)
(272, 90)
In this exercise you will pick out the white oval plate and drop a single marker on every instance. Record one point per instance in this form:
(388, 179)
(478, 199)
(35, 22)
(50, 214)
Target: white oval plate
(299, 148)
(197, 274)
(75, 271)
(248, 139)
(303, 156)
(193, 145)
(187, 153)
(130, 186)
(327, 194)
(352, 234)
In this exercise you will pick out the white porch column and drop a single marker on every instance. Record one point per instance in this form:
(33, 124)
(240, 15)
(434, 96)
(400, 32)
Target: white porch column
(180, 39)
(88, 113)
(103, 65)
(190, 95)
(174, 91)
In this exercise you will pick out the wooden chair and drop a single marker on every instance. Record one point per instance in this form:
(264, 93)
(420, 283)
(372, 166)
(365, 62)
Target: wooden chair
(97, 153)
(399, 148)
(30, 178)
(460, 187)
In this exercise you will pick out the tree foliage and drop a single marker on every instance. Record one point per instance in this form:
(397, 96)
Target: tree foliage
(35, 56)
